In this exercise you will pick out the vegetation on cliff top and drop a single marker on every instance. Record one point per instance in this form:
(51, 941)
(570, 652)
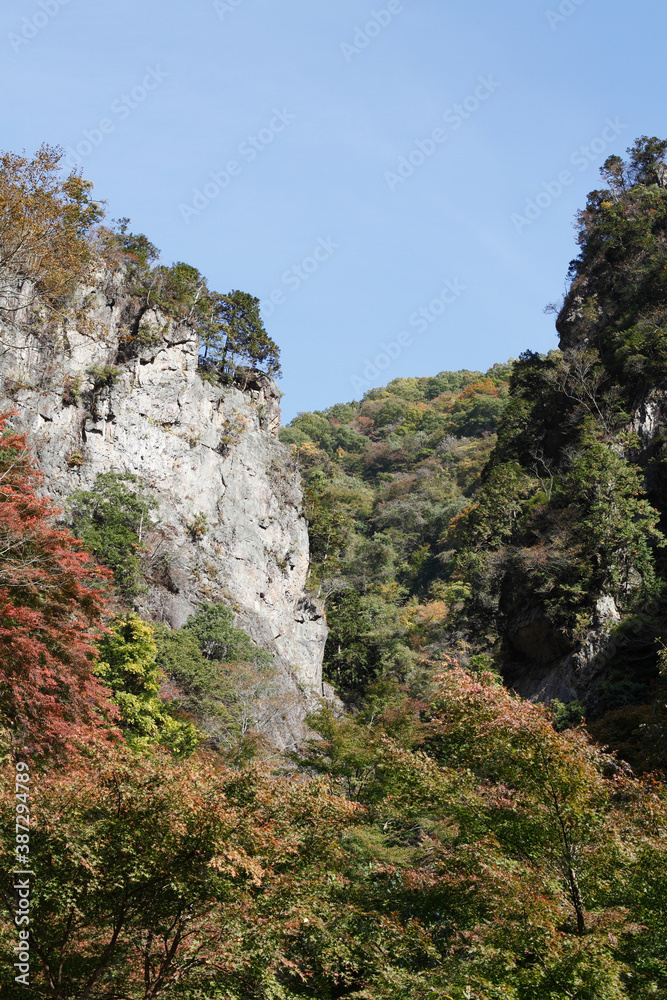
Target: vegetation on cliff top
(53, 241)
(383, 479)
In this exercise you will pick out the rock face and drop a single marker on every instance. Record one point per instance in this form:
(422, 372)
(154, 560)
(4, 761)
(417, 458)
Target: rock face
(649, 423)
(550, 666)
(545, 663)
(208, 454)
(581, 318)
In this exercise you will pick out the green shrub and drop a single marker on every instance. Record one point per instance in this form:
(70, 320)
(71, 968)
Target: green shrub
(221, 676)
(111, 520)
(213, 627)
(128, 665)
(198, 527)
(104, 375)
(567, 715)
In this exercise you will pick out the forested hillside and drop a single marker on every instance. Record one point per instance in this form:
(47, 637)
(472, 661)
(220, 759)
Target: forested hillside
(383, 480)
(516, 518)
(443, 836)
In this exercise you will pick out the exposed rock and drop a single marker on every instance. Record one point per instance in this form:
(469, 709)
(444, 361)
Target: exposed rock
(543, 670)
(582, 317)
(200, 449)
(650, 417)
(649, 422)
(545, 662)
(574, 678)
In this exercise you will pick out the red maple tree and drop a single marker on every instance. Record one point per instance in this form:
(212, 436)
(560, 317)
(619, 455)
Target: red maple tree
(52, 604)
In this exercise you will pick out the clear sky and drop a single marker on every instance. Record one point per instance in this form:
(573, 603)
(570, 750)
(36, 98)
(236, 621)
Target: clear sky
(366, 165)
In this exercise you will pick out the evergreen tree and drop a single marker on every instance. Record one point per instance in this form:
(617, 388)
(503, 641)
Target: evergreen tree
(128, 665)
(233, 336)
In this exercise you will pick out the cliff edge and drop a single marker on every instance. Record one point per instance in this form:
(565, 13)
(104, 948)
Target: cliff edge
(116, 388)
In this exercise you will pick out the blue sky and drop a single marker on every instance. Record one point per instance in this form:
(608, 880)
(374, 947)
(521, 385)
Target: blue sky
(367, 166)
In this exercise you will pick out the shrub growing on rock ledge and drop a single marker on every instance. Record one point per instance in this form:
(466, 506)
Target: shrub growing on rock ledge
(111, 520)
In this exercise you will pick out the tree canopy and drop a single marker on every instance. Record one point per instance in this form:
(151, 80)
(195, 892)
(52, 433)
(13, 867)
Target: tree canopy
(233, 337)
(48, 223)
(52, 605)
(52, 243)
(441, 836)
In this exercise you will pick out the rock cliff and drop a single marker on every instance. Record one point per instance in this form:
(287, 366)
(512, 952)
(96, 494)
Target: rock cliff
(116, 388)
(546, 663)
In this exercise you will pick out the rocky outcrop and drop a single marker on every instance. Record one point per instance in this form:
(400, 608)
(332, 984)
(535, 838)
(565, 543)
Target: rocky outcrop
(115, 388)
(649, 423)
(541, 666)
(548, 665)
(581, 317)
(544, 662)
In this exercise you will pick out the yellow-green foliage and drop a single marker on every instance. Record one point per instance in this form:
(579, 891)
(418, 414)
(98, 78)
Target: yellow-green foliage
(47, 225)
(128, 665)
(383, 479)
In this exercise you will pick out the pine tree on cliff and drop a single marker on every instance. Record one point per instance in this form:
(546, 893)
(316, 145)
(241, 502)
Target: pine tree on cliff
(234, 338)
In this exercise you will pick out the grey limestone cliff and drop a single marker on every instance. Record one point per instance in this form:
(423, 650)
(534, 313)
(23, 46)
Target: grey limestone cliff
(115, 388)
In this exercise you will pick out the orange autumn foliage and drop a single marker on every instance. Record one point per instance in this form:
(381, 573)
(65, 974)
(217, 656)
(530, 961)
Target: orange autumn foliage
(52, 604)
